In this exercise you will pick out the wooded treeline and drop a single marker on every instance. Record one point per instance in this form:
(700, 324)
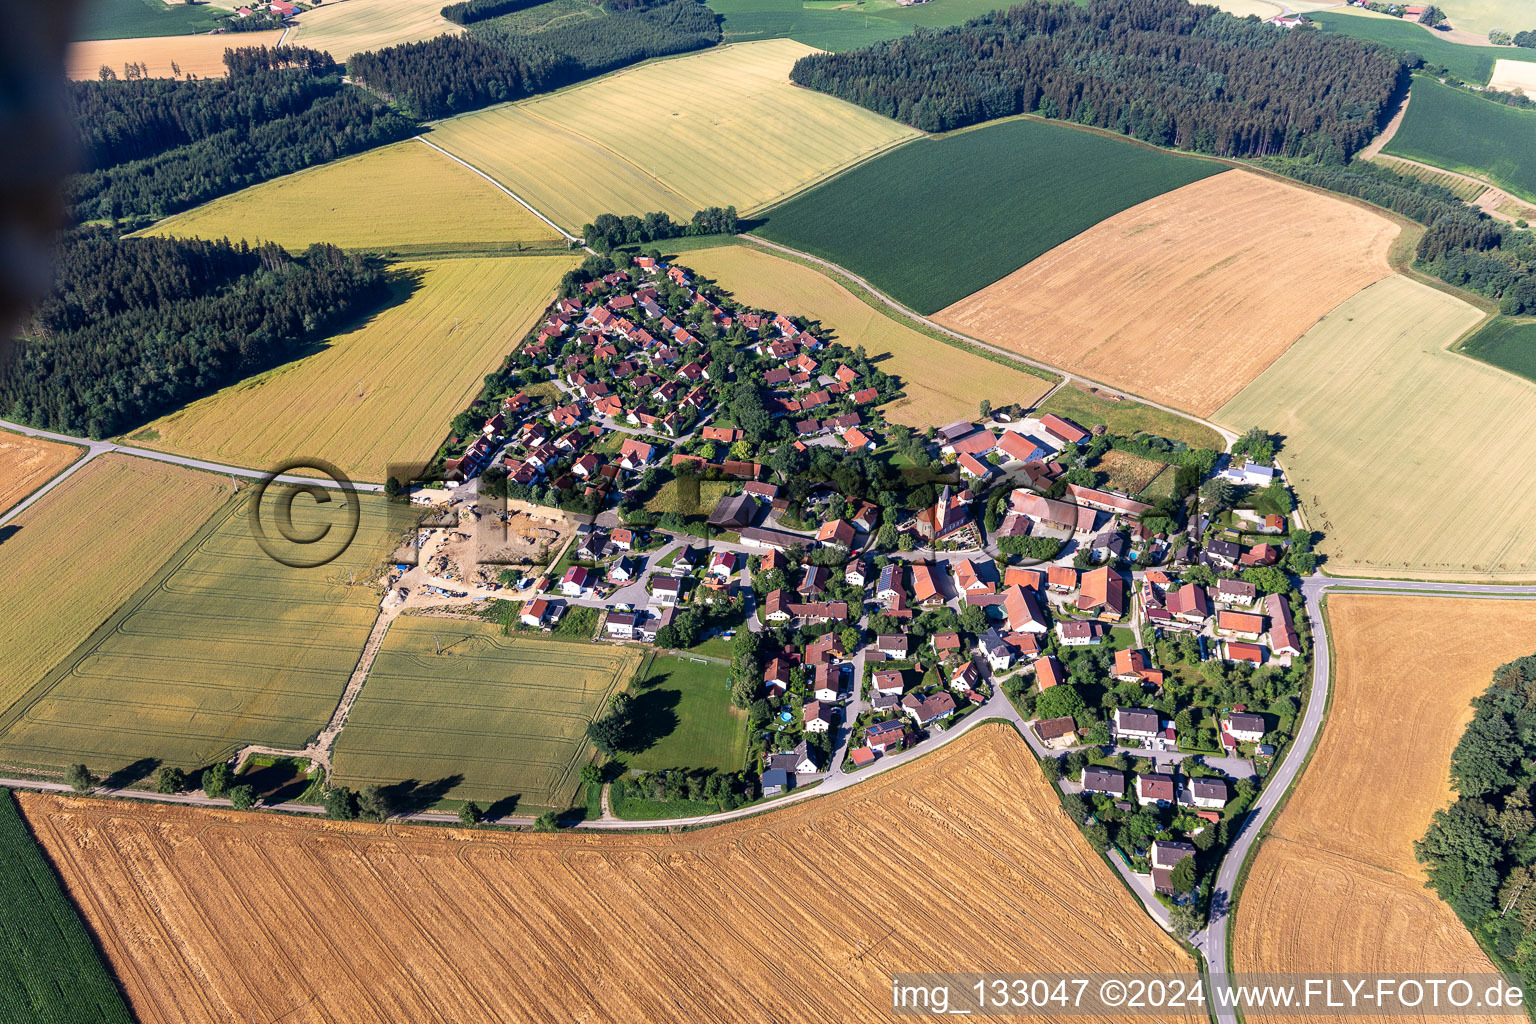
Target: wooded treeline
(1461, 245)
(494, 62)
(609, 230)
(479, 10)
(1479, 852)
(157, 146)
(1162, 71)
(139, 326)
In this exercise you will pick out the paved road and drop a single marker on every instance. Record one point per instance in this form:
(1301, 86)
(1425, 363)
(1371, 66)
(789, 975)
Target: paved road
(1213, 941)
(97, 448)
(1067, 377)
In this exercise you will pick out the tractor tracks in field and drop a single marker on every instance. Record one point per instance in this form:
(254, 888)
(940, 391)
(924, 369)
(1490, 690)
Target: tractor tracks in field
(318, 751)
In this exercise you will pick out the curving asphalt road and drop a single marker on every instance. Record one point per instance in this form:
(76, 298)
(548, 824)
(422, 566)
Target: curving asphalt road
(1213, 941)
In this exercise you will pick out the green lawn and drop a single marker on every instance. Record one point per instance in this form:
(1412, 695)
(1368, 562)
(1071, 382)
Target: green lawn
(1460, 131)
(1128, 418)
(939, 218)
(1472, 63)
(49, 967)
(1508, 343)
(133, 19)
(684, 708)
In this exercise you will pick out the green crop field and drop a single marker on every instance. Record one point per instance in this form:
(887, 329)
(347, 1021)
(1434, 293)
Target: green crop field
(50, 972)
(497, 719)
(133, 19)
(840, 24)
(223, 646)
(683, 707)
(1472, 63)
(1508, 343)
(1461, 131)
(1010, 192)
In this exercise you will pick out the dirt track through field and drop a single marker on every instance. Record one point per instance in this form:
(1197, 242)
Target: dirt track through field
(1335, 887)
(960, 861)
(1187, 297)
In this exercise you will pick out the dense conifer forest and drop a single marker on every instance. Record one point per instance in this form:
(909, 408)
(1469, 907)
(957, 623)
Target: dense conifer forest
(479, 10)
(1162, 71)
(156, 146)
(139, 326)
(493, 63)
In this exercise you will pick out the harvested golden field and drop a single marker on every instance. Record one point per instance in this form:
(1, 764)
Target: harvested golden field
(405, 198)
(84, 548)
(345, 27)
(417, 363)
(942, 383)
(1514, 76)
(419, 924)
(717, 128)
(1185, 298)
(201, 55)
(26, 463)
(1341, 892)
(1374, 410)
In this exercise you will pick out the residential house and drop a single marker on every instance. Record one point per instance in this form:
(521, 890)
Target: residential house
(925, 584)
(818, 716)
(1155, 788)
(1057, 733)
(625, 570)
(1165, 857)
(966, 678)
(724, 564)
(1061, 578)
(577, 581)
(1140, 724)
(667, 590)
(999, 652)
(890, 582)
(825, 649)
(855, 572)
(927, 710)
(620, 625)
(1223, 553)
(1049, 673)
(1240, 624)
(776, 676)
(893, 645)
(1021, 448)
(1236, 651)
(837, 533)
(886, 737)
(1235, 592)
(1190, 604)
(776, 781)
(1108, 781)
(535, 612)
(1103, 592)
(1244, 727)
(887, 682)
(636, 455)
(1208, 793)
(1250, 474)
(825, 682)
(1133, 666)
(813, 580)
(1023, 611)
(971, 576)
(623, 538)
(1079, 632)
(946, 645)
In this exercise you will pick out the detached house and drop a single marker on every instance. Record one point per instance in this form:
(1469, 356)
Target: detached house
(1140, 724)
(818, 716)
(1108, 781)
(886, 737)
(1057, 733)
(1244, 727)
(1155, 788)
(926, 710)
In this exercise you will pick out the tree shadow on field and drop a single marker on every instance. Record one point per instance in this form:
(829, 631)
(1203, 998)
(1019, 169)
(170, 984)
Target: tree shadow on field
(411, 796)
(128, 774)
(7, 532)
(654, 718)
(503, 807)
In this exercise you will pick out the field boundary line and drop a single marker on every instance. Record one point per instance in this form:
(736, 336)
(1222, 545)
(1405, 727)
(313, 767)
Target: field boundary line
(695, 202)
(523, 202)
(1067, 376)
